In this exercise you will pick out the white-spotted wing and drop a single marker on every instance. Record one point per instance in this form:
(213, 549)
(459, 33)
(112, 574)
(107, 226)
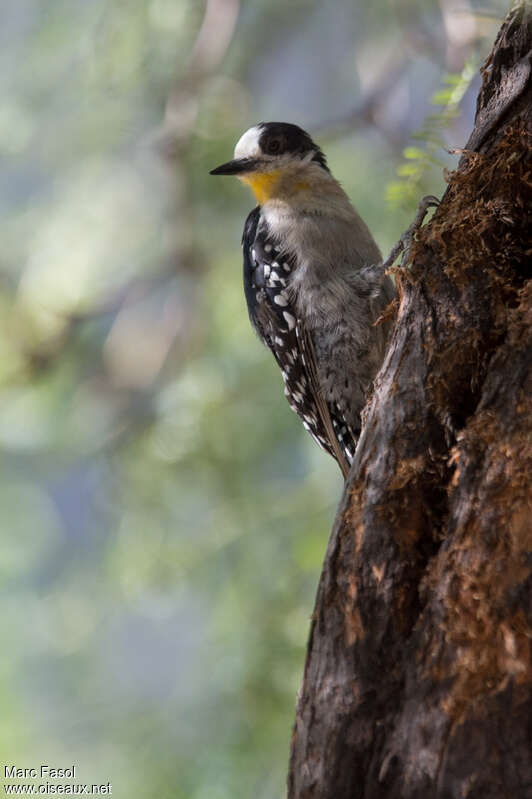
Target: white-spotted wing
(267, 274)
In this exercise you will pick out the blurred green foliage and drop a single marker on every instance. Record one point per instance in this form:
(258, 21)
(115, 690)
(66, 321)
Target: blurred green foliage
(164, 514)
(423, 164)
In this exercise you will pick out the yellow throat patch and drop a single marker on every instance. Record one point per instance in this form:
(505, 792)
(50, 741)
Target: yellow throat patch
(263, 184)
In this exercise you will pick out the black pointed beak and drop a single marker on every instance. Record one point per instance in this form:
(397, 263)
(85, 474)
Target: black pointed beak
(236, 167)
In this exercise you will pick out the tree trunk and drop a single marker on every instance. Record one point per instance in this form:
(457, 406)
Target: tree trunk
(418, 679)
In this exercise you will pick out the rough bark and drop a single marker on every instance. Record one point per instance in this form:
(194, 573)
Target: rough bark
(418, 680)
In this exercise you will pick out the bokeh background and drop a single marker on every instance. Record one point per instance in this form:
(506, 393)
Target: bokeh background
(163, 514)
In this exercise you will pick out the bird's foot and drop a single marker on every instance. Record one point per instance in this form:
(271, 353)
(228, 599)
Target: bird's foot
(405, 242)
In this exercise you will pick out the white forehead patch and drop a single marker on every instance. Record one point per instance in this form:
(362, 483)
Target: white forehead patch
(248, 144)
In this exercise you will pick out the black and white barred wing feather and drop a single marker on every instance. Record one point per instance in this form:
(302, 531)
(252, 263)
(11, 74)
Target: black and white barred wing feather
(266, 282)
(337, 434)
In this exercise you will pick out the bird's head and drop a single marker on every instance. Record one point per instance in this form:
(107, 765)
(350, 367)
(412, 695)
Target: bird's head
(274, 154)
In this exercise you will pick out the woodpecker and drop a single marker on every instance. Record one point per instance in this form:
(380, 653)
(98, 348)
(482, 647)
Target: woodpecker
(313, 281)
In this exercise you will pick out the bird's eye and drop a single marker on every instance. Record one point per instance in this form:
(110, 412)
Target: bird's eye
(273, 146)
